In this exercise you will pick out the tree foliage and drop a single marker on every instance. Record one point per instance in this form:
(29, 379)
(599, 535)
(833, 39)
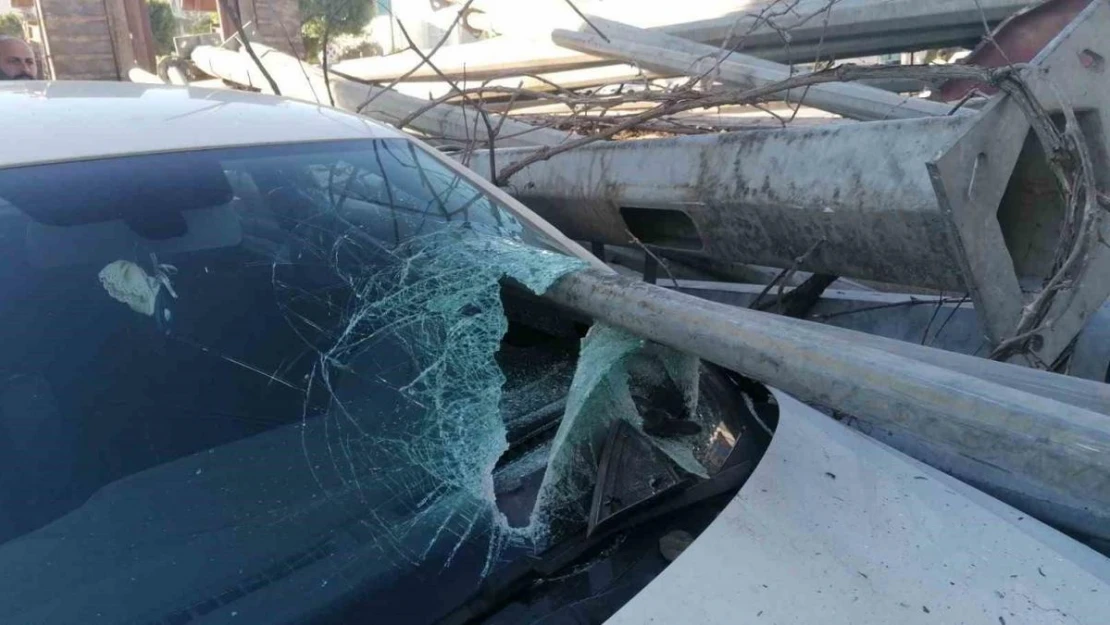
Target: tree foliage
(163, 24)
(204, 24)
(11, 24)
(323, 19)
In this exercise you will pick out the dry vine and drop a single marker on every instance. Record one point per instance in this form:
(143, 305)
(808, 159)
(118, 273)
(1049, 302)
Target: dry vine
(1069, 157)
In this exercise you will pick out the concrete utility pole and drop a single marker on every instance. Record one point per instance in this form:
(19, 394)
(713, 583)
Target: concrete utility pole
(849, 28)
(667, 54)
(817, 30)
(1045, 457)
(957, 203)
(306, 82)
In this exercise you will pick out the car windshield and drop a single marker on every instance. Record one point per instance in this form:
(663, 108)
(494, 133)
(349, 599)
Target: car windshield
(253, 379)
(296, 383)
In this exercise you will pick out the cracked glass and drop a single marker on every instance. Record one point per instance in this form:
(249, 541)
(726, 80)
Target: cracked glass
(282, 384)
(254, 368)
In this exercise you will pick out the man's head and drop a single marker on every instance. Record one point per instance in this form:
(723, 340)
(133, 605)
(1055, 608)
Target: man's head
(17, 60)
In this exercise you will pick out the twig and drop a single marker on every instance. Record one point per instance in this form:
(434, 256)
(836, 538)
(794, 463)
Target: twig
(650, 253)
(801, 298)
(466, 99)
(951, 314)
(302, 66)
(912, 301)
(785, 274)
(324, 61)
(801, 260)
(423, 58)
(971, 93)
(504, 116)
(495, 133)
(932, 318)
(988, 35)
(782, 122)
(554, 85)
(491, 137)
(408, 119)
(765, 17)
(471, 145)
(1069, 158)
(238, 23)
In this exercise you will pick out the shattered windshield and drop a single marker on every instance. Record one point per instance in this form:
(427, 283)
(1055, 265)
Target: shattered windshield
(281, 381)
(261, 356)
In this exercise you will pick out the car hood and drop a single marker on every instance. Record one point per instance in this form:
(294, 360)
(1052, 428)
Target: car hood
(834, 527)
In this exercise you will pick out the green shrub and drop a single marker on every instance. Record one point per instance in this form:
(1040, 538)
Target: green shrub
(331, 18)
(11, 24)
(206, 23)
(163, 24)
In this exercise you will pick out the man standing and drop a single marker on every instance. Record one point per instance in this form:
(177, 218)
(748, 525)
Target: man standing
(17, 60)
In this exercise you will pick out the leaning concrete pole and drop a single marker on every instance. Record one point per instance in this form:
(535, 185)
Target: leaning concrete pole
(666, 54)
(961, 203)
(849, 28)
(817, 29)
(140, 75)
(1045, 457)
(229, 65)
(306, 82)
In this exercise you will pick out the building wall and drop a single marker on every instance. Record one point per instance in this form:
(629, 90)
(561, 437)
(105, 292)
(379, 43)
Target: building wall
(94, 39)
(277, 23)
(195, 5)
(78, 39)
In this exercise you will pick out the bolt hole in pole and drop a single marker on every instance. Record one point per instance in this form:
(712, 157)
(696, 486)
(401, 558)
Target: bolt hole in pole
(1092, 60)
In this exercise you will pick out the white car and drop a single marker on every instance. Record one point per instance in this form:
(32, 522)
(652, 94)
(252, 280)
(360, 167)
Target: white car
(267, 362)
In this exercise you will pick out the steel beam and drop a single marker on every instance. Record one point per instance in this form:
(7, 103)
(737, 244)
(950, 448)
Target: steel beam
(950, 203)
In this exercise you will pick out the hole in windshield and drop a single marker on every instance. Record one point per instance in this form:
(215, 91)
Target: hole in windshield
(316, 387)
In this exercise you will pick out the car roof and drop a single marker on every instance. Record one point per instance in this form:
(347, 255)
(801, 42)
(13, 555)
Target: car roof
(46, 122)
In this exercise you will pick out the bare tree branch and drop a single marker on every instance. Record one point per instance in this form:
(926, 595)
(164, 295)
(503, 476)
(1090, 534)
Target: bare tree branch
(802, 298)
(1070, 158)
(640, 244)
(324, 59)
(784, 276)
(423, 58)
(237, 21)
(951, 313)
